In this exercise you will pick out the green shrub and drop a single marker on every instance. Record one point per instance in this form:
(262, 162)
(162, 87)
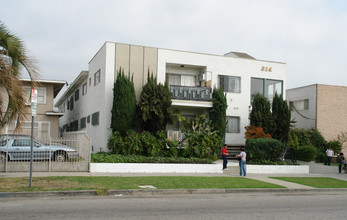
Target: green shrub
(151, 145)
(320, 156)
(305, 153)
(336, 145)
(301, 135)
(115, 143)
(117, 158)
(202, 145)
(317, 139)
(262, 149)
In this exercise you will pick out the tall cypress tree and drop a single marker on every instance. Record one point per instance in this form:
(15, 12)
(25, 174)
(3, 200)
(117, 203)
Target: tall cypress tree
(124, 103)
(260, 116)
(281, 119)
(155, 105)
(218, 111)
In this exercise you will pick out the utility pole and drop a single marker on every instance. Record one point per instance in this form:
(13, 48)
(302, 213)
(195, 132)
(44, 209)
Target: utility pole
(33, 113)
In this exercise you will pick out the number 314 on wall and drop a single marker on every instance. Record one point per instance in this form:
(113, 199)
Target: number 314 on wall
(266, 69)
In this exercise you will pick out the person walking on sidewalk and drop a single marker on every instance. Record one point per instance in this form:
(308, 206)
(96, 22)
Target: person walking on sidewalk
(341, 160)
(329, 154)
(242, 161)
(225, 157)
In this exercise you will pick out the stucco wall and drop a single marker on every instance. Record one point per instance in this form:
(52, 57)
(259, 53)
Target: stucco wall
(304, 118)
(238, 103)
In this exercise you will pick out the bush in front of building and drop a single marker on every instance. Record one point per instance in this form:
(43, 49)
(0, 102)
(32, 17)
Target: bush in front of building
(134, 143)
(217, 114)
(300, 139)
(203, 144)
(124, 103)
(305, 153)
(264, 149)
(155, 105)
(103, 157)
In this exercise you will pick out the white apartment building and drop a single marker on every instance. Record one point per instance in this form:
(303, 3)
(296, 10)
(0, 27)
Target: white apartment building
(87, 103)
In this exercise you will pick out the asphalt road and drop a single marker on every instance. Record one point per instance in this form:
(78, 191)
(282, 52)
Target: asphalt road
(327, 205)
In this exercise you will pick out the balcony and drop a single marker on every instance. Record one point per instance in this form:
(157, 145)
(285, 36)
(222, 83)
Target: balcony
(191, 93)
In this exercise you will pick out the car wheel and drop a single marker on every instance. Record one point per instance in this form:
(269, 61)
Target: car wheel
(2, 157)
(60, 157)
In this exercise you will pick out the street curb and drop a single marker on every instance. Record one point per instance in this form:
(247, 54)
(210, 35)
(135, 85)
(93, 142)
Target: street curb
(153, 192)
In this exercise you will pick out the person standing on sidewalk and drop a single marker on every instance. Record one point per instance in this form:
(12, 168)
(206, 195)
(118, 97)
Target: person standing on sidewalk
(329, 153)
(242, 161)
(225, 157)
(341, 160)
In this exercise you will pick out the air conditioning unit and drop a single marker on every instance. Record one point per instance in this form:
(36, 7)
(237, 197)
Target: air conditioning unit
(202, 77)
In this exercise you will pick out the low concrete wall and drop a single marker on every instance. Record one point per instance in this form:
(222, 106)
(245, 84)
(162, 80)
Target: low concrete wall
(190, 168)
(273, 169)
(154, 168)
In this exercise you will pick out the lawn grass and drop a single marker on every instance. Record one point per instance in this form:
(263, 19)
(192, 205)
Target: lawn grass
(66, 183)
(317, 182)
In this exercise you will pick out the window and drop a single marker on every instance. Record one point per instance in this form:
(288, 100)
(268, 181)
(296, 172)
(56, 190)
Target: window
(266, 87)
(83, 122)
(182, 80)
(21, 143)
(71, 103)
(41, 95)
(257, 86)
(75, 125)
(230, 83)
(95, 118)
(88, 119)
(97, 77)
(233, 124)
(41, 128)
(299, 105)
(77, 94)
(273, 87)
(84, 89)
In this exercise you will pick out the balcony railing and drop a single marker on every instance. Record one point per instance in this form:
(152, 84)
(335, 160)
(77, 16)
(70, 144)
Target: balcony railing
(191, 93)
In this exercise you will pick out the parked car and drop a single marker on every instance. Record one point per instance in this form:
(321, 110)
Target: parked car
(18, 147)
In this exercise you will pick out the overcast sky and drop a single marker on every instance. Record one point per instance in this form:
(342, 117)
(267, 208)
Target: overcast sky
(310, 36)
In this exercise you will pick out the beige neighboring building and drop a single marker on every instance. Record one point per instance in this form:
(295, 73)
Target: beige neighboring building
(323, 107)
(46, 122)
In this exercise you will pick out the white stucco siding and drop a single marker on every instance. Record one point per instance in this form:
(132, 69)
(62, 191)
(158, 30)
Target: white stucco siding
(101, 95)
(238, 103)
(304, 118)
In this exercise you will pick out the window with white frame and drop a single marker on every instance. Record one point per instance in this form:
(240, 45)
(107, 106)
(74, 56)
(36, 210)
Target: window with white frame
(230, 83)
(41, 95)
(233, 124)
(97, 77)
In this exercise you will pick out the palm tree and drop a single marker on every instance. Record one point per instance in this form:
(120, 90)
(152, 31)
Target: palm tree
(13, 56)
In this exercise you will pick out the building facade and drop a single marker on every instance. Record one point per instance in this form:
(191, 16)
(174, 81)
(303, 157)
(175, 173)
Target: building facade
(191, 77)
(323, 107)
(46, 121)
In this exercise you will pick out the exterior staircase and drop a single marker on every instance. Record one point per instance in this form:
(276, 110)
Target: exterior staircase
(234, 150)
